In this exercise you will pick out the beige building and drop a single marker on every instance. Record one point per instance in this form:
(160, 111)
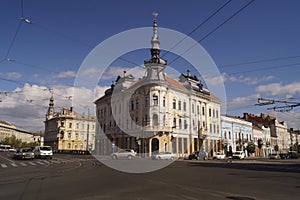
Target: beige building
(156, 113)
(278, 131)
(69, 131)
(9, 130)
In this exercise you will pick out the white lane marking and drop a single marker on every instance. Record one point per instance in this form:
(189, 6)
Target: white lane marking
(23, 164)
(39, 162)
(3, 165)
(55, 161)
(14, 164)
(32, 163)
(45, 161)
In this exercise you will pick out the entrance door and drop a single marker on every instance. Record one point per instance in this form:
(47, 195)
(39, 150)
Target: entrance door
(155, 145)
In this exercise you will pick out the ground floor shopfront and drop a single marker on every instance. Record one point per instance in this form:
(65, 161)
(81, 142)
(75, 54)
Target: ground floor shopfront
(180, 144)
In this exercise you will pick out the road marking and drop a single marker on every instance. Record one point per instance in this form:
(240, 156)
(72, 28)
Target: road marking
(39, 162)
(54, 161)
(3, 165)
(23, 164)
(14, 164)
(6, 158)
(32, 163)
(45, 161)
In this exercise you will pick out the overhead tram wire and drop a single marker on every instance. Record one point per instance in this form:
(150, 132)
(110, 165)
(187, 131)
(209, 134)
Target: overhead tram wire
(214, 30)
(15, 35)
(260, 61)
(77, 41)
(265, 68)
(196, 28)
(13, 40)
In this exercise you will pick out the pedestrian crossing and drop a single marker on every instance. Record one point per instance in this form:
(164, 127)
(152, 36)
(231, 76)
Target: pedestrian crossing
(29, 163)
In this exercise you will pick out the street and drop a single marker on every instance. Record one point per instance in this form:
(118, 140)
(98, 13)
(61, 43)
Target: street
(83, 177)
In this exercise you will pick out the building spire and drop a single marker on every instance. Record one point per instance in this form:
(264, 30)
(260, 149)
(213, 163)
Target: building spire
(155, 65)
(155, 41)
(155, 50)
(50, 112)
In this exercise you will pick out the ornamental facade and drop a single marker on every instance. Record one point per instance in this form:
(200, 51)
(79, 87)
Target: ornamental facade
(68, 131)
(157, 113)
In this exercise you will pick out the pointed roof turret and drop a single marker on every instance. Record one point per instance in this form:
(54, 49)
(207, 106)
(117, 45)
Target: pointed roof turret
(155, 49)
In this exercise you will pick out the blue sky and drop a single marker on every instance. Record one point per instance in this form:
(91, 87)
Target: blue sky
(47, 53)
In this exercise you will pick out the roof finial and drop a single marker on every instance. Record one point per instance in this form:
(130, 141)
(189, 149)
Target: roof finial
(155, 15)
(155, 42)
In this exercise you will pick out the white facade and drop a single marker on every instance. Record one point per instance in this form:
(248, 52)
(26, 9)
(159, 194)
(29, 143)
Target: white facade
(9, 130)
(158, 113)
(236, 133)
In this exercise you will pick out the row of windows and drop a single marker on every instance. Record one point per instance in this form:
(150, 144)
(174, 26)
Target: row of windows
(76, 136)
(237, 135)
(77, 125)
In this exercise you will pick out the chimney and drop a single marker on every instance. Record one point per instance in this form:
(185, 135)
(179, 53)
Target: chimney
(245, 116)
(71, 108)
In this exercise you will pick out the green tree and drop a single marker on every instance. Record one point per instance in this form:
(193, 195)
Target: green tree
(251, 147)
(276, 148)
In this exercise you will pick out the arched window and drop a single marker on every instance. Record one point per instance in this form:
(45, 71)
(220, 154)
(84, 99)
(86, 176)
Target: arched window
(155, 119)
(174, 103)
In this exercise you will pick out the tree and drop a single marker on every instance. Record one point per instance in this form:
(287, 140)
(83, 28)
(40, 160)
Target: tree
(17, 143)
(276, 148)
(251, 147)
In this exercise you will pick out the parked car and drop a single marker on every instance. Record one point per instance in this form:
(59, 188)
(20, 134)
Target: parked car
(292, 155)
(274, 156)
(238, 155)
(24, 153)
(283, 156)
(198, 155)
(164, 156)
(218, 156)
(124, 153)
(43, 152)
(4, 148)
(11, 149)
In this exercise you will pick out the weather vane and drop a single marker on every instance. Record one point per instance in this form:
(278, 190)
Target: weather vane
(155, 15)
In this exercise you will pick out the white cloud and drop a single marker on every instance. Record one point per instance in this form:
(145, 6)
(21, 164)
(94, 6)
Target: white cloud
(240, 101)
(216, 80)
(291, 118)
(276, 89)
(13, 75)
(66, 74)
(26, 106)
(248, 80)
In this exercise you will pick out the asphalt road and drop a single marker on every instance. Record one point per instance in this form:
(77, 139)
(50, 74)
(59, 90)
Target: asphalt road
(83, 177)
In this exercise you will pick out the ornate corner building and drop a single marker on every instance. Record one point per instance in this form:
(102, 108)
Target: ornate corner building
(156, 113)
(68, 131)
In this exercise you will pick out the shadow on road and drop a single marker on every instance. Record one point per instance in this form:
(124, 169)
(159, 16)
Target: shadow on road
(291, 168)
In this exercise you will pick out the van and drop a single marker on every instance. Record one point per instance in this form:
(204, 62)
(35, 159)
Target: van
(43, 152)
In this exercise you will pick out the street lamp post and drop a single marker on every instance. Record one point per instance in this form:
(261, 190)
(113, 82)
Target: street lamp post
(199, 138)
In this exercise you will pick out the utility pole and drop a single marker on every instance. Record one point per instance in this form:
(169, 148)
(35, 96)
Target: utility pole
(87, 133)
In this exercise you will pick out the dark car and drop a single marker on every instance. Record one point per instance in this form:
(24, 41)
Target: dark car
(198, 155)
(292, 155)
(283, 155)
(24, 153)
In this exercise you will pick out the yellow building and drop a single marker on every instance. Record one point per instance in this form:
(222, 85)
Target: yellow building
(69, 131)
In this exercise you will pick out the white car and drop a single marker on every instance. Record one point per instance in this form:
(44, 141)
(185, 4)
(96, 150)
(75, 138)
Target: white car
(238, 155)
(218, 156)
(164, 156)
(124, 153)
(43, 152)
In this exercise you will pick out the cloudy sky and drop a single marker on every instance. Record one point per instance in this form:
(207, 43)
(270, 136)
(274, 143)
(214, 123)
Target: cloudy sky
(43, 45)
